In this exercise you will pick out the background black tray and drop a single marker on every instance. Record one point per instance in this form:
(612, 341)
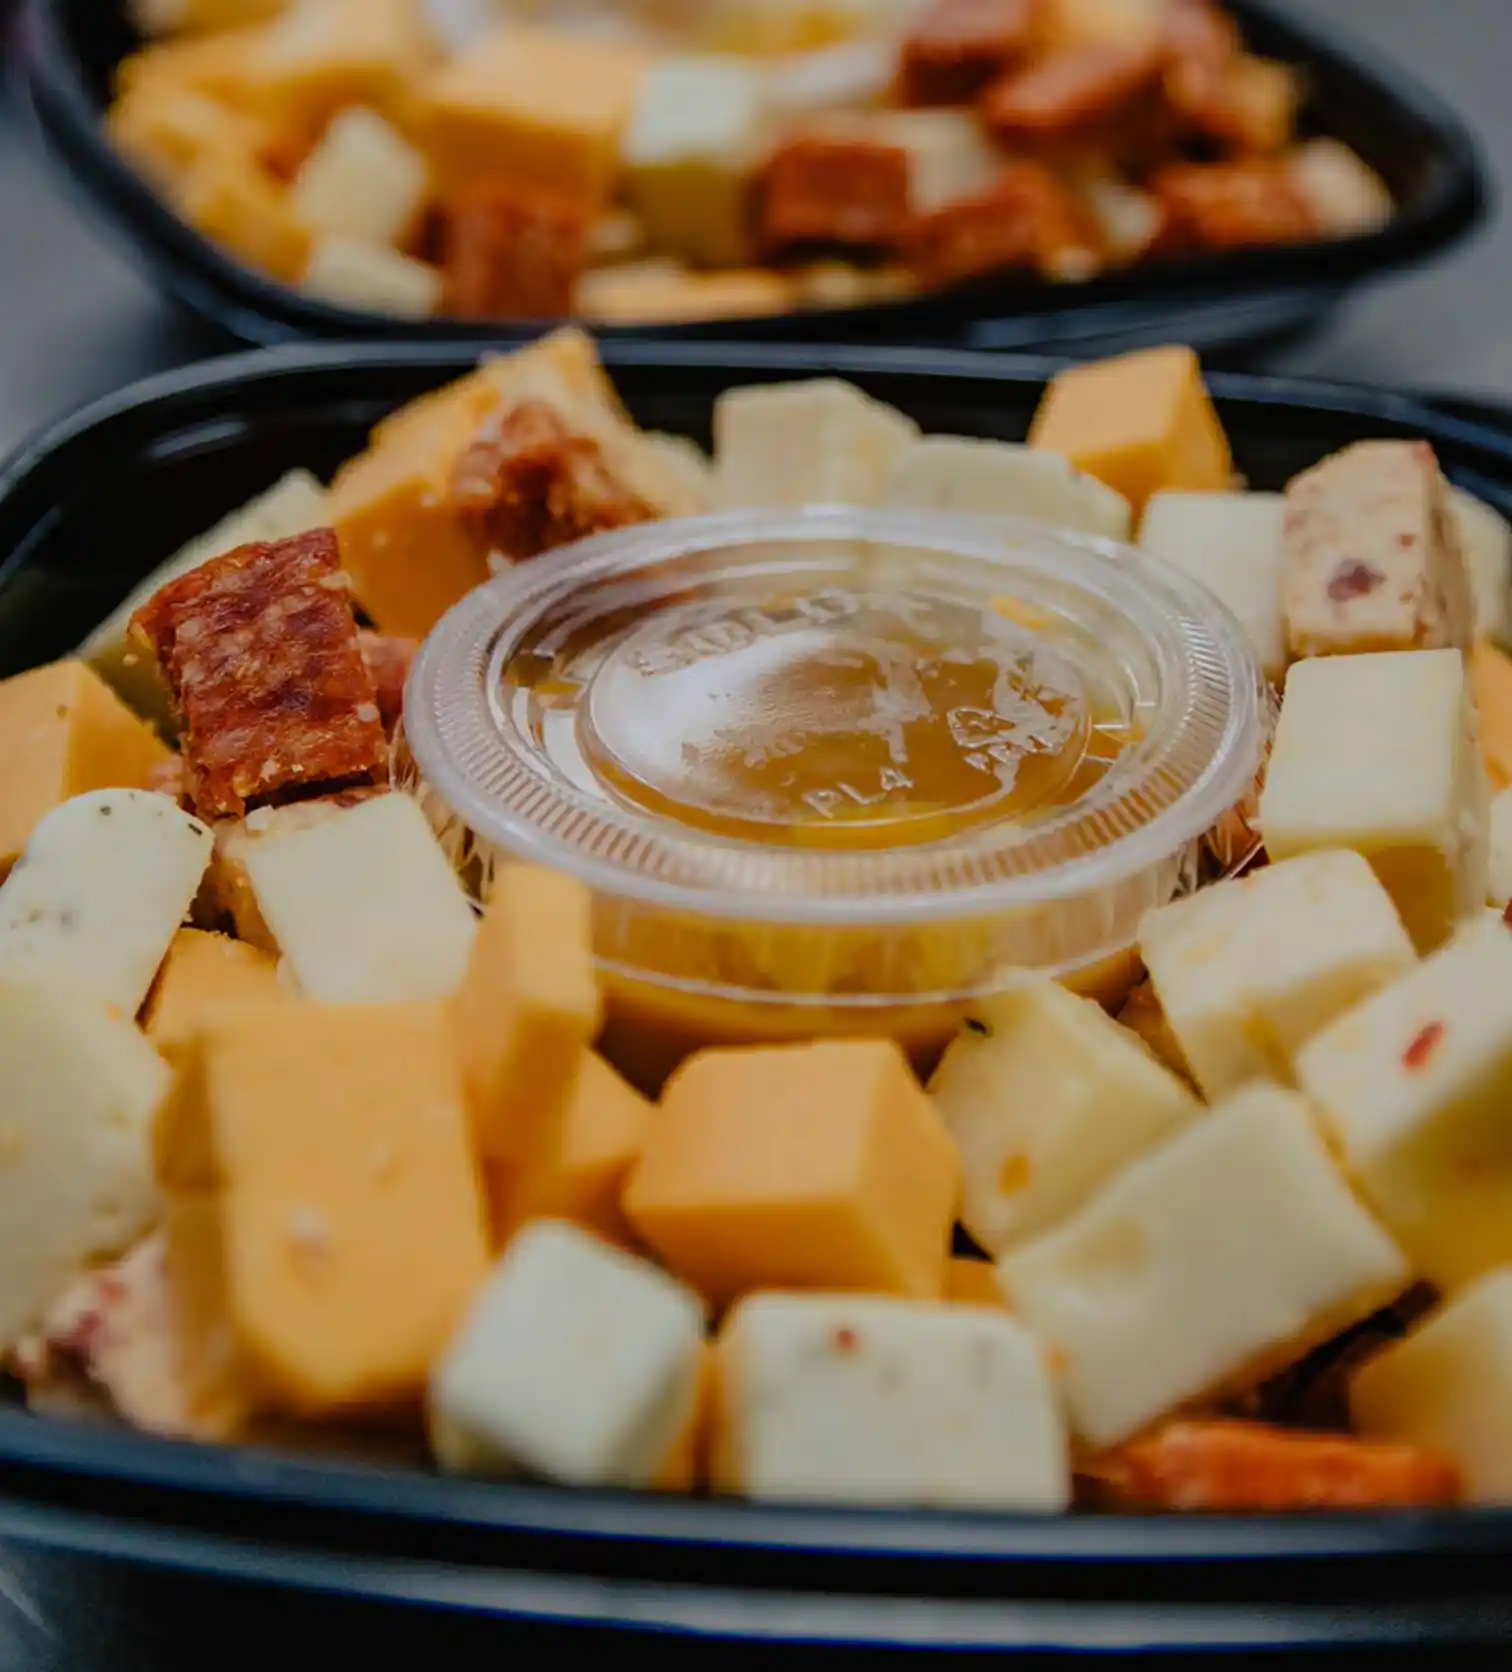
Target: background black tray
(85, 511)
(69, 49)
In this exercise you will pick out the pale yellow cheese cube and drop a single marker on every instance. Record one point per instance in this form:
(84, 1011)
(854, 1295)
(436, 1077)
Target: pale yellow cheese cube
(1248, 971)
(364, 181)
(1416, 1088)
(1211, 1264)
(1002, 479)
(372, 278)
(1378, 753)
(323, 56)
(1047, 1099)
(1486, 537)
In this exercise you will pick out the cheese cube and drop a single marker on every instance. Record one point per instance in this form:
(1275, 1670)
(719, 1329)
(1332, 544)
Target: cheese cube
(996, 478)
(1372, 556)
(166, 17)
(973, 1282)
(222, 65)
(1416, 1088)
(364, 181)
(576, 1362)
(1232, 543)
(324, 56)
(687, 461)
(100, 892)
(526, 1011)
(334, 1144)
(545, 109)
(947, 152)
(240, 206)
(1047, 1099)
(166, 130)
(1500, 892)
(64, 732)
(1485, 537)
(1248, 971)
(1491, 685)
(690, 149)
(1123, 23)
(203, 975)
(1142, 423)
(1448, 1387)
(861, 1400)
(364, 906)
(220, 1391)
(81, 1088)
(781, 445)
(1218, 1260)
(1346, 196)
(1378, 754)
(660, 290)
(809, 1166)
(371, 279)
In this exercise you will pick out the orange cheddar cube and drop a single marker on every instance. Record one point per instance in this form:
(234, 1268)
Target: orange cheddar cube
(798, 1167)
(167, 131)
(64, 732)
(686, 1466)
(1491, 682)
(203, 976)
(238, 205)
(973, 1283)
(1143, 424)
(222, 66)
(333, 1143)
(528, 1007)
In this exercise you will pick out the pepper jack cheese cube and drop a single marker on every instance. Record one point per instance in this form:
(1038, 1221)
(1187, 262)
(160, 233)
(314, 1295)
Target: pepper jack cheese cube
(1047, 1099)
(1218, 1260)
(363, 181)
(64, 732)
(1142, 423)
(100, 892)
(334, 1144)
(202, 975)
(364, 906)
(1372, 555)
(817, 443)
(576, 1362)
(1416, 1088)
(811, 1166)
(1486, 539)
(1232, 543)
(1378, 754)
(1448, 1387)
(1248, 971)
(371, 278)
(998, 479)
(862, 1400)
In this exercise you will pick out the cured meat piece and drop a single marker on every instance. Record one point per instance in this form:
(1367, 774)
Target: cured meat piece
(1028, 219)
(1231, 206)
(959, 46)
(513, 254)
(835, 189)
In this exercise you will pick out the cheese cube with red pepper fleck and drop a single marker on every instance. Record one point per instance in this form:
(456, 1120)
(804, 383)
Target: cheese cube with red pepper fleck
(1415, 1086)
(864, 1400)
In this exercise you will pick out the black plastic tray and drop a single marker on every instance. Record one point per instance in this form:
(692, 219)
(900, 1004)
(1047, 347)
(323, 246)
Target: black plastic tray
(69, 50)
(85, 511)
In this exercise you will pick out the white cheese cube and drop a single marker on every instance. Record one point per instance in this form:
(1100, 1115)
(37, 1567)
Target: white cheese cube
(578, 1362)
(1002, 479)
(364, 906)
(862, 1400)
(1216, 1261)
(1232, 543)
(1499, 890)
(1448, 1387)
(802, 86)
(949, 154)
(1346, 196)
(81, 1089)
(364, 181)
(105, 883)
(1047, 1098)
(1415, 1086)
(1248, 971)
(1486, 537)
(371, 278)
(784, 445)
(1379, 754)
(690, 150)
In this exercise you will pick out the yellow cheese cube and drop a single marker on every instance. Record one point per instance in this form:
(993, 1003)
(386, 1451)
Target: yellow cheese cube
(335, 1143)
(1378, 753)
(167, 17)
(202, 976)
(236, 204)
(1416, 1087)
(165, 131)
(64, 732)
(538, 108)
(1143, 424)
(1491, 683)
(810, 1166)
(970, 1282)
(223, 65)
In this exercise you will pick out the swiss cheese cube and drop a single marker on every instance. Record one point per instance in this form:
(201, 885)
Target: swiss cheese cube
(1047, 1099)
(334, 1144)
(1232, 543)
(1416, 1088)
(1378, 753)
(1500, 891)
(1491, 685)
(526, 1012)
(203, 975)
(576, 1362)
(371, 278)
(64, 732)
(81, 1089)
(818, 1166)
(997, 478)
(818, 443)
(1219, 1259)
(100, 892)
(1142, 423)
(864, 1400)
(363, 181)
(240, 206)
(364, 906)
(1448, 1387)
(1486, 539)
(1246, 972)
